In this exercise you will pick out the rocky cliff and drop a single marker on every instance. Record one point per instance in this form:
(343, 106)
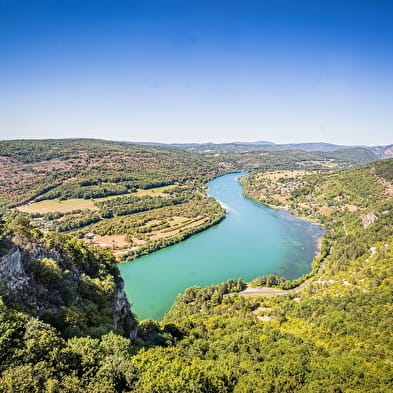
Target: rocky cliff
(66, 283)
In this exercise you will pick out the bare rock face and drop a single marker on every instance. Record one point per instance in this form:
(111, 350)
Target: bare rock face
(15, 279)
(368, 219)
(122, 316)
(12, 274)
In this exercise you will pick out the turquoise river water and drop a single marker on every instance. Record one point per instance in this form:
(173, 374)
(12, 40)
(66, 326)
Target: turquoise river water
(252, 240)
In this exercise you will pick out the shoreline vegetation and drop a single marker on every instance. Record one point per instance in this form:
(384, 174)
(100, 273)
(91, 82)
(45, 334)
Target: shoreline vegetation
(280, 285)
(171, 241)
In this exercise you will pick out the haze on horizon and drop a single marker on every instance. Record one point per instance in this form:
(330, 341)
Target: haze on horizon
(198, 71)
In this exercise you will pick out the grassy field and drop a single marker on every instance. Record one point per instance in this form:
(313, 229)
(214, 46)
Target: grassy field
(156, 191)
(54, 205)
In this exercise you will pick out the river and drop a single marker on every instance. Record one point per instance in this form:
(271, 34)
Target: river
(252, 240)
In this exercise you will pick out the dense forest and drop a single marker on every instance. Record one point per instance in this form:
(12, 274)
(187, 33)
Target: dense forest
(332, 336)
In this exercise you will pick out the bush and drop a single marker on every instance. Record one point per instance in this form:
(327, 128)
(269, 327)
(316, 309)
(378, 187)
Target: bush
(46, 270)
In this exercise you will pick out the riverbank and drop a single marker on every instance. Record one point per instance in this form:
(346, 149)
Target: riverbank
(252, 240)
(281, 195)
(170, 241)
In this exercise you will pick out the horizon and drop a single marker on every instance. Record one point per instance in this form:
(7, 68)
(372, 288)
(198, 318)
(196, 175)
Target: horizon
(154, 72)
(199, 143)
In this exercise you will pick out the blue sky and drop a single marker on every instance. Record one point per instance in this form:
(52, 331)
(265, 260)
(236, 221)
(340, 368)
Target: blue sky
(197, 71)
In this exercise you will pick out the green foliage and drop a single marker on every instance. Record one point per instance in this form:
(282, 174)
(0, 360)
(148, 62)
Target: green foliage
(383, 169)
(40, 361)
(20, 226)
(269, 280)
(47, 271)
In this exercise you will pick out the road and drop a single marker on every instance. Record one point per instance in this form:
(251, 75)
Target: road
(270, 292)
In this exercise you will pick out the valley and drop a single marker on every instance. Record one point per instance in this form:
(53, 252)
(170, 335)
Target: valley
(94, 188)
(66, 324)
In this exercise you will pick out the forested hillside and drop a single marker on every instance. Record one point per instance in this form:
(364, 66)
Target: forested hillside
(141, 198)
(88, 168)
(333, 336)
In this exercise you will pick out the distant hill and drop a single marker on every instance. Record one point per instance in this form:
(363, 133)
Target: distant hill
(242, 147)
(260, 145)
(383, 151)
